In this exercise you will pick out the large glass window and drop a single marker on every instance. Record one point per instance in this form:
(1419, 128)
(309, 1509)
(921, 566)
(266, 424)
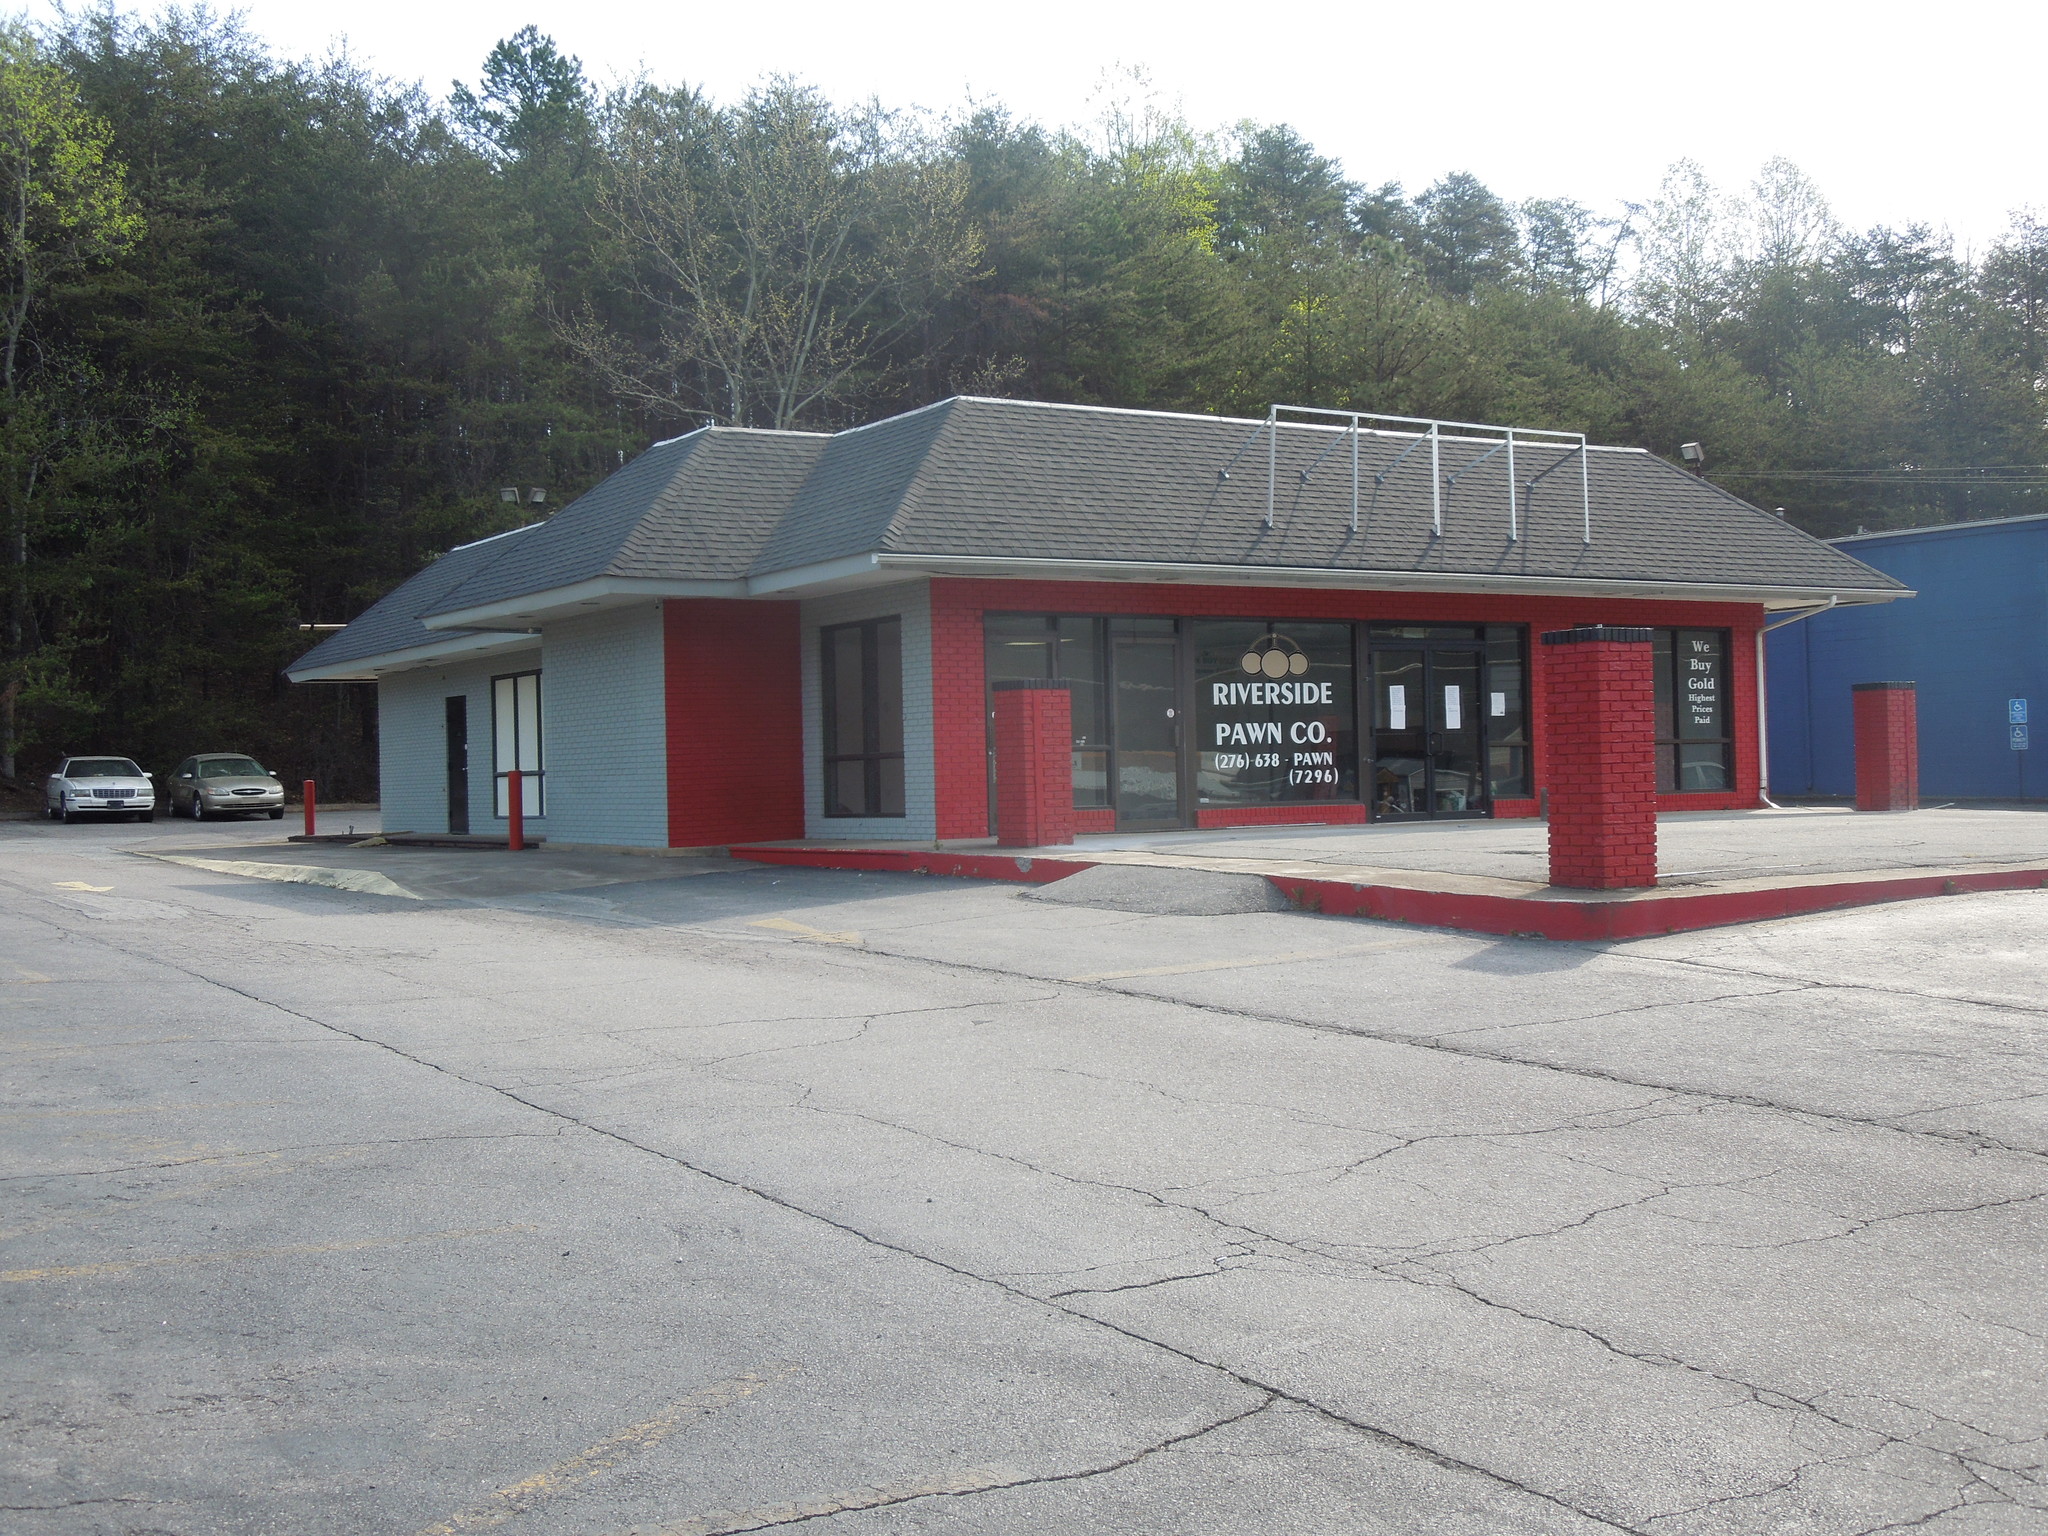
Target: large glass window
(1066, 648)
(1694, 748)
(1507, 713)
(515, 742)
(1275, 712)
(861, 669)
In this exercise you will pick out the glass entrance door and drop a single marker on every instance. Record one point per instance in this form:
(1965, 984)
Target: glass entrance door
(1144, 676)
(1428, 741)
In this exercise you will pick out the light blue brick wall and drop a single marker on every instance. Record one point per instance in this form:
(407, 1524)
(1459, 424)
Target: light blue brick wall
(912, 602)
(606, 729)
(412, 745)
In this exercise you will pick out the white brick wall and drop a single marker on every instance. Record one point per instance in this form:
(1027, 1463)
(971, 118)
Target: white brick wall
(912, 602)
(606, 741)
(412, 742)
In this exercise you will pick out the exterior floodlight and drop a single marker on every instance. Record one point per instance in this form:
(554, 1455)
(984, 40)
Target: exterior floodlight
(508, 493)
(1695, 456)
(537, 496)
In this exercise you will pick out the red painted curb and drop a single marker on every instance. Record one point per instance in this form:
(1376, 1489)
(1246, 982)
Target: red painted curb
(1518, 916)
(1553, 918)
(966, 866)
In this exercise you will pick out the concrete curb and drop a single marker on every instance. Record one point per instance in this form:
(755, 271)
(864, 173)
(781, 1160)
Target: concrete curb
(366, 882)
(1477, 905)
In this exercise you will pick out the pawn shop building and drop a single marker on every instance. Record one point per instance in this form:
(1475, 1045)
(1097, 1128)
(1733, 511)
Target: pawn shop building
(747, 636)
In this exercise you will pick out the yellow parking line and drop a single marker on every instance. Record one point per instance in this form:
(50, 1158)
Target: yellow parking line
(80, 885)
(123, 1266)
(717, 1521)
(517, 1498)
(1234, 965)
(817, 935)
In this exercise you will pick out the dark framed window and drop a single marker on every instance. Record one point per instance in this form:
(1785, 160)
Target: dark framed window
(861, 669)
(1507, 712)
(1695, 747)
(1067, 648)
(516, 743)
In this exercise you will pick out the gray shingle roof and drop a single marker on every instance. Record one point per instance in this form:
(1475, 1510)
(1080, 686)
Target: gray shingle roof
(1001, 478)
(1011, 480)
(697, 508)
(392, 623)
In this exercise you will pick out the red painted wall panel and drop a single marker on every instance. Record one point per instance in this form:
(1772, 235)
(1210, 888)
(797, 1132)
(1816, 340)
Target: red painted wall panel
(733, 690)
(958, 699)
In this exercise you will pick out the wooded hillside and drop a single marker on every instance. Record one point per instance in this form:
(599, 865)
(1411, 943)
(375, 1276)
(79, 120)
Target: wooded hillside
(277, 332)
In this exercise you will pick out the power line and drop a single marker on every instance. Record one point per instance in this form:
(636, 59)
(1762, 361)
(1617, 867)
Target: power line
(1902, 473)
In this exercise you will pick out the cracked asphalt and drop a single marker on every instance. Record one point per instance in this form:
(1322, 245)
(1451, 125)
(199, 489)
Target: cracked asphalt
(867, 1204)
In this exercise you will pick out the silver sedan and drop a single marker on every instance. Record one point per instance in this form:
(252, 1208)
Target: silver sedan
(225, 784)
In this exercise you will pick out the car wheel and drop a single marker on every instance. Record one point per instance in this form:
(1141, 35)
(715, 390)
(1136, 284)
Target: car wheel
(66, 815)
(198, 810)
(278, 814)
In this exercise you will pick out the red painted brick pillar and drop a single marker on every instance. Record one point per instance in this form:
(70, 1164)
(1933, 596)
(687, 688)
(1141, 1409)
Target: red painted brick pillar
(1034, 763)
(1600, 713)
(1887, 746)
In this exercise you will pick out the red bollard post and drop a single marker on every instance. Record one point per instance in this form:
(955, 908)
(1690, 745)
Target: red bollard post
(310, 810)
(515, 818)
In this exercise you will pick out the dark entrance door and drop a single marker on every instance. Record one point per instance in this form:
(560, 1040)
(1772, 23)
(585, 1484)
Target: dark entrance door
(458, 764)
(1428, 736)
(1144, 676)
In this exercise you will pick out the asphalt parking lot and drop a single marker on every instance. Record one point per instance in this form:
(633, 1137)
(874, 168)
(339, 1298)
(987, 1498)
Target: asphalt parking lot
(875, 1204)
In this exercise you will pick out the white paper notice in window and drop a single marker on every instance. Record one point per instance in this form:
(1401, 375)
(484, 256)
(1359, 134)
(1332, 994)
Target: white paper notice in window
(1500, 705)
(1454, 709)
(1397, 707)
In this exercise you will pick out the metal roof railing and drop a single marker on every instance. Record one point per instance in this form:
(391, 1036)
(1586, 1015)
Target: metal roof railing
(1435, 435)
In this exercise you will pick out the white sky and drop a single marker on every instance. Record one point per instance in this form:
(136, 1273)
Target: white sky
(1898, 112)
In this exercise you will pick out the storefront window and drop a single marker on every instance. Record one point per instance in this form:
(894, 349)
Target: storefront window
(1693, 743)
(515, 743)
(1507, 713)
(1275, 712)
(862, 674)
(1065, 648)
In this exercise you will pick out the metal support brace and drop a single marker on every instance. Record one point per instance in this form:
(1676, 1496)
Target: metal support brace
(1432, 432)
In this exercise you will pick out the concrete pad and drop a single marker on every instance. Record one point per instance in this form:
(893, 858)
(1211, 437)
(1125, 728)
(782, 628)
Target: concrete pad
(1166, 892)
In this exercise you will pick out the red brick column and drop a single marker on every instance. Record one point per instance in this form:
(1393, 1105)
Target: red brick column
(1887, 746)
(1600, 715)
(1034, 763)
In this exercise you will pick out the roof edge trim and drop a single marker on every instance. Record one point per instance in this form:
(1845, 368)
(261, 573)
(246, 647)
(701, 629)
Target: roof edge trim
(1962, 527)
(1229, 421)
(1428, 581)
(598, 591)
(366, 669)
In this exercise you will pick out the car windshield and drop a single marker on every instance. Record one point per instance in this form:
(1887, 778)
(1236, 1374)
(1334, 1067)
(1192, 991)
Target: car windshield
(102, 768)
(230, 768)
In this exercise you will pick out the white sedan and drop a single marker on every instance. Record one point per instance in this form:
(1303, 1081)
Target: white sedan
(99, 786)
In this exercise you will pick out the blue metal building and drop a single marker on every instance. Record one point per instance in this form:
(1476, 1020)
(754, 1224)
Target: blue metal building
(1975, 640)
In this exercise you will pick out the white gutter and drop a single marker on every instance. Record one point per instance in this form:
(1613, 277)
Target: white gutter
(1763, 698)
(527, 609)
(1389, 581)
(367, 669)
(850, 568)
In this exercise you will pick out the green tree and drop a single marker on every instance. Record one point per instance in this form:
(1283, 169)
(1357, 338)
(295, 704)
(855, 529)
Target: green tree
(781, 251)
(63, 209)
